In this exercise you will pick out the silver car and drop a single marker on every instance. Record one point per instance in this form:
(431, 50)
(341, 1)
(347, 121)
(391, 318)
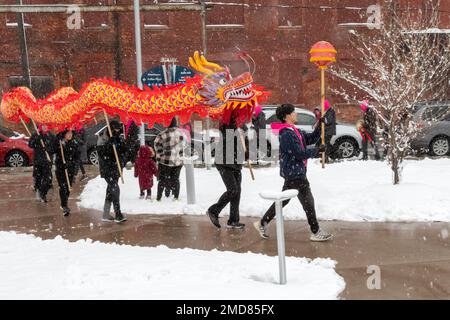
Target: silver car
(347, 142)
(434, 121)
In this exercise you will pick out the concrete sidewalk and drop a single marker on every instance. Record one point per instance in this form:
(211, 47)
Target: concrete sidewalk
(414, 258)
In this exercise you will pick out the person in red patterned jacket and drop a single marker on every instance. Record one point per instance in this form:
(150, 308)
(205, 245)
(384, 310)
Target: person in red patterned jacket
(144, 169)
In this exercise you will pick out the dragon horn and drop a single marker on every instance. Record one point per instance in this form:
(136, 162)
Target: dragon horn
(208, 64)
(198, 67)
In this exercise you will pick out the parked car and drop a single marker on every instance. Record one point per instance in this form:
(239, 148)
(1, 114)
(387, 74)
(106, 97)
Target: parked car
(14, 149)
(92, 135)
(347, 142)
(433, 119)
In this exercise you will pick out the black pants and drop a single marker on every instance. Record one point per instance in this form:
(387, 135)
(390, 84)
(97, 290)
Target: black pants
(374, 145)
(169, 180)
(113, 193)
(42, 174)
(149, 193)
(329, 149)
(81, 167)
(64, 192)
(306, 199)
(232, 179)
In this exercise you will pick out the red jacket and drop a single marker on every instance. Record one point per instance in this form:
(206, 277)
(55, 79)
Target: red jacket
(145, 168)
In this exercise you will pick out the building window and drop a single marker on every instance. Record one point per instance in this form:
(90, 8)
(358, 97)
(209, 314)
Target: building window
(289, 14)
(96, 20)
(226, 14)
(351, 15)
(156, 20)
(11, 21)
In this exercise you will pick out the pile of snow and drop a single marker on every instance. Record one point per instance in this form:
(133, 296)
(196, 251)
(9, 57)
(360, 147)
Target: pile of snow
(33, 268)
(350, 191)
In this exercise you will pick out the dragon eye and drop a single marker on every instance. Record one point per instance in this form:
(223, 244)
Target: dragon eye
(222, 82)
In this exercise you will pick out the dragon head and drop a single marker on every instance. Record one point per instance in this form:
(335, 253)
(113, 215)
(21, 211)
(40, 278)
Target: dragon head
(221, 91)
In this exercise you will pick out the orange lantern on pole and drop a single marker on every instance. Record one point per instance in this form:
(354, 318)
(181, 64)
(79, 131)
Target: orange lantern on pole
(322, 55)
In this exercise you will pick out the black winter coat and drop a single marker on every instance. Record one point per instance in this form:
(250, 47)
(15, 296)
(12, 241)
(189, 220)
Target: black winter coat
(71, 155)
(330, 122)
(370, 121)
(293, 153)
(39, 156)
(230, 151)
(259, 122)
(106, 157)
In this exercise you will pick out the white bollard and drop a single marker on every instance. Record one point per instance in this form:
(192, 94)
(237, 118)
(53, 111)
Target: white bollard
(190, 181)
(278, 198)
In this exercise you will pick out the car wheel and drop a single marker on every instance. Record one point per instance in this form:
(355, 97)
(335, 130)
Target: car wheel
(16, 158)
(93, 156)
(345, 148)
(440, 146)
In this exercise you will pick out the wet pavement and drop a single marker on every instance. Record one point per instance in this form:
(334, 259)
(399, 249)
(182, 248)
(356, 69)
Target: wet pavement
(413, 258)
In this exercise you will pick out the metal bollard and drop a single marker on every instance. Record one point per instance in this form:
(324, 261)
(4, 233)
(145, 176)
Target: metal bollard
(190, 181)
(278, 198)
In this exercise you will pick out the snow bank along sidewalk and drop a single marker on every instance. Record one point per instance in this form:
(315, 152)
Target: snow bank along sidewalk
(350, 191)
(57, 269)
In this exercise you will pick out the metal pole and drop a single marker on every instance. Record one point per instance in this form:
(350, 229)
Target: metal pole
(322, 94)
(280, 241)
(190, 180)
(23, 47)
(137, 39)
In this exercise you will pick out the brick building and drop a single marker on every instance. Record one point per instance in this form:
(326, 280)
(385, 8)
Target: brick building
(278, 38)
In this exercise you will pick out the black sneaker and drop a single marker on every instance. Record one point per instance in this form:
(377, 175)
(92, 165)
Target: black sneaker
(44, 199)
(235, 225)
(66, 211)
(120, 218)
(214, 218)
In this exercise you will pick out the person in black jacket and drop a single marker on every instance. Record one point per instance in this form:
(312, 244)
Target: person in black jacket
(230, 156)
(80, 139)
(294, 155)
(109, 170)
(70, 151)
(329, 119)
(42, 167)
(370, 127)
(259, 124)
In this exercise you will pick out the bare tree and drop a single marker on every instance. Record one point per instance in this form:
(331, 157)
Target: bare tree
(404, 62)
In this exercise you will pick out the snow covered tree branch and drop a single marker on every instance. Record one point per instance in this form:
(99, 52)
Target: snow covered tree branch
(405, 62)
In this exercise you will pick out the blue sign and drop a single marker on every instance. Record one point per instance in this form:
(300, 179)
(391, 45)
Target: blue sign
(153, 77)
(182, 73)
(157, 76)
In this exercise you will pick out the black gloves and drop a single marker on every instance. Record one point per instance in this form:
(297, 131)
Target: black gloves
(322, 148)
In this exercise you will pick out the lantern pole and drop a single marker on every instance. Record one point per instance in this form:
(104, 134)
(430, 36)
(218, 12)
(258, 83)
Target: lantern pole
(322, 94)
(322, 54)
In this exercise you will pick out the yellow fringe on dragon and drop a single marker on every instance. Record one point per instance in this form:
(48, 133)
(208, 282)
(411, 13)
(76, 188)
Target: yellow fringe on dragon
(213, 91)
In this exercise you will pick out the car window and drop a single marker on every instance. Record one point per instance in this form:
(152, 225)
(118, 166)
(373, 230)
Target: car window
(7, 132)
(272, 118)
(304, 119)
(438, 113)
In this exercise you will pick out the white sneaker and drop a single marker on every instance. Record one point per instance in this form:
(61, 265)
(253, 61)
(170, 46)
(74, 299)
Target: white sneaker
(321, 236)
(262, 229)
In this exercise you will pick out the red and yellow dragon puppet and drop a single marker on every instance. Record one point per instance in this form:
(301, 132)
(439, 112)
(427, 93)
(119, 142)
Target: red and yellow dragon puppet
(213, 91)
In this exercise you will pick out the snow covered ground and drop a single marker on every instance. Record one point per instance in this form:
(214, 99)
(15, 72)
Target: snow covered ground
(350, 191)
(33, 268)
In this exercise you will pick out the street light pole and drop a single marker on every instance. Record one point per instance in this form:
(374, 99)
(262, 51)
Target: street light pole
(137, 38)
(23, 47)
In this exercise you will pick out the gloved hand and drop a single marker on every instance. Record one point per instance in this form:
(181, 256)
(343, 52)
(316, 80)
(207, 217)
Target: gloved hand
(322, 148)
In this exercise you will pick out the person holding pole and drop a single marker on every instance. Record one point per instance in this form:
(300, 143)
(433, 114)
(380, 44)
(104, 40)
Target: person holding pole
(66, 161)
(110, 144)
(230, 155)
(329, 120)
(42, 142)
(294, 157)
